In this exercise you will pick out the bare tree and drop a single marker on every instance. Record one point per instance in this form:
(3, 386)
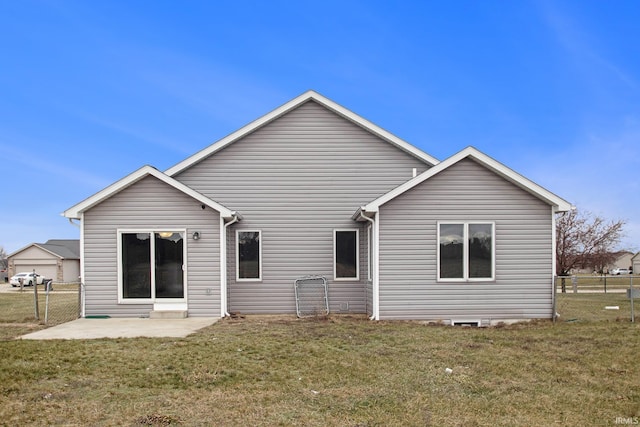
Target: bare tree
(3, 258)
(584, 239)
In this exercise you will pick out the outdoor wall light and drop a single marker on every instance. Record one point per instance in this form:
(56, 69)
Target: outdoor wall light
(196, 235)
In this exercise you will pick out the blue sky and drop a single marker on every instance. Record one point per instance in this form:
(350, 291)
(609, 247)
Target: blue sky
(92, 90)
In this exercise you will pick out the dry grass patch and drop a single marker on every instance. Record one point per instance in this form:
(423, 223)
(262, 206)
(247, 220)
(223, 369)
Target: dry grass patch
(343, 371)
(12, 331)
(591, 307)
(19, 306)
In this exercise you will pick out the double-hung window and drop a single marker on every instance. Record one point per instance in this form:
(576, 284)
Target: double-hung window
(151, 265)
(345, 255)
(466, 251)
(248, 255)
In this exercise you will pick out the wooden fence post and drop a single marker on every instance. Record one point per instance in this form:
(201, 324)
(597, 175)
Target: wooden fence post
(35, 295)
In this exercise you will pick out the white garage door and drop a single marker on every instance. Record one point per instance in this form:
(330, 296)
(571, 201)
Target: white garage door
(48, 271)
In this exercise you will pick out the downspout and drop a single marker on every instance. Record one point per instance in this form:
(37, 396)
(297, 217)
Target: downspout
(553, 263)
(374, 271)
(223, 263)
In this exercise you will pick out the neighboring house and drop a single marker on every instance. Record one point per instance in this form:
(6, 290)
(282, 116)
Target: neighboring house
(623, 259)
(635, 263)
(605, 262)
(314, 189)
(56, 259)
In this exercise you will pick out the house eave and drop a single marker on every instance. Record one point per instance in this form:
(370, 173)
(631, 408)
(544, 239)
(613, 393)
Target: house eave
(75, 212)
(559, 204)
(362, 212)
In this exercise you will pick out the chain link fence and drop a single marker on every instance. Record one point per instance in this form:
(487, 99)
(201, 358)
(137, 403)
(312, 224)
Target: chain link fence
(596, 298)
(577, 298)
(45, 305)
(311, 296)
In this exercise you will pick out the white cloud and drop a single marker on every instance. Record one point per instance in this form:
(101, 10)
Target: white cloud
(138, 132)
(227, 94)
(582, 44)
(598, 173)
(597, 169)
(42, 168)
(20, 231)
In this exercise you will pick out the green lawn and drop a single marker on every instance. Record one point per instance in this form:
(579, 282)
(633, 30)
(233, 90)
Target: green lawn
(340, 371)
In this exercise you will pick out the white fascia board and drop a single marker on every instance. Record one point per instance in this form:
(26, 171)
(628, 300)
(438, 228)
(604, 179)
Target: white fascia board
(371, 127)
(526, 184)
(116, 187)
(559, 204)
(285, 108)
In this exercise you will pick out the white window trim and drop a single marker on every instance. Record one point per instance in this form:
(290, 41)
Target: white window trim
(465, 254)
(357, 276)
(238, 279)
(121, 299)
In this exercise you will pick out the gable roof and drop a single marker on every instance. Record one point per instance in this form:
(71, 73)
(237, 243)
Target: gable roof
(75, 211)
(63, 249)
(294, 103)
(510, 175)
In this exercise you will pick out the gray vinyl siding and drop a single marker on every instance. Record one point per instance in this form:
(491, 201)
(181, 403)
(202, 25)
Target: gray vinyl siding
(297, 179)
(465, 192)
(151, 204)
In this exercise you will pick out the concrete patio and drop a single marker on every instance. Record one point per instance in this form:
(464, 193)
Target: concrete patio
(122, 328)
